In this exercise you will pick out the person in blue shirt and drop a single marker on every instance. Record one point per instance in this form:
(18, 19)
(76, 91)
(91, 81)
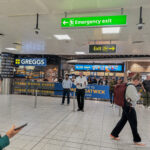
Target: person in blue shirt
(67, 84)
(4, 141)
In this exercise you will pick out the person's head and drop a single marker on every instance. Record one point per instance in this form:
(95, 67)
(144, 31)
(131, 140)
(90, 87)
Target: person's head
(136, 79)
(73, 77)
(148, 77)
(119, 81)
(113, 78)
(66, 76)
(81, 74)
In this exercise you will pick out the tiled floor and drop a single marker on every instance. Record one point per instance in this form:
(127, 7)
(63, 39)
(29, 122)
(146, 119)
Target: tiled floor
(55, 127)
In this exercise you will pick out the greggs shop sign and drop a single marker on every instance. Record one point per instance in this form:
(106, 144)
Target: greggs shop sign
(31, 62)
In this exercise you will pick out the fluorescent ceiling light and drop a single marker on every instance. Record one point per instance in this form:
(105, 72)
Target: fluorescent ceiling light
(80, 53)
(112, 30)
(62, 37)
(11, 49)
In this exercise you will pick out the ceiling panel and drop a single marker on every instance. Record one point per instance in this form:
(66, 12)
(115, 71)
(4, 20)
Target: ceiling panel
(18, 19)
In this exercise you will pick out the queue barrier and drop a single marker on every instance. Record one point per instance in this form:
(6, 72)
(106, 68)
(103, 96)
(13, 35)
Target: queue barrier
(55, 89)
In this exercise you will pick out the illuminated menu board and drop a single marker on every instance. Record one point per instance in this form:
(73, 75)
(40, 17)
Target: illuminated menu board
(107, 68)
(7, 65)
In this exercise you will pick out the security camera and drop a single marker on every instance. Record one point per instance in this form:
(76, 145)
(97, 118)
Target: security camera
(37, 31)
(140, 26)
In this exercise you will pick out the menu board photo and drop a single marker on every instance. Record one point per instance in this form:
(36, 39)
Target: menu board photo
(7, 65)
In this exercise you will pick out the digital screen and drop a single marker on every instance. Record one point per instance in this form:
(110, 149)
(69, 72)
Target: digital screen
(107, 68)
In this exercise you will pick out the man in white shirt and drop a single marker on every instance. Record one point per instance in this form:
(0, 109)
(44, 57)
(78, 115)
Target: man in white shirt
(67, 84)
(81, 83)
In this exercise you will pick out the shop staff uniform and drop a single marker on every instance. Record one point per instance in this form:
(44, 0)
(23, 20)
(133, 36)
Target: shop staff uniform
(67, 84)
(81, 83)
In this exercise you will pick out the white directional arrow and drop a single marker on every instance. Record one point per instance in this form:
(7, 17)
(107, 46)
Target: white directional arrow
(64, 22)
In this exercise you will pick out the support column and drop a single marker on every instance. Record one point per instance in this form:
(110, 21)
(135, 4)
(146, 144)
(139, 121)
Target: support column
(6, 86)
(126, 71)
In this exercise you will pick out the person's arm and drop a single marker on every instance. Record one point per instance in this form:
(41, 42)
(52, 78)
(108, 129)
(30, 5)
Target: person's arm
(142, 85)
(4, 141)
(76, 81)
(70, 83)
(132, 93)
(63, 84)
(86, 83)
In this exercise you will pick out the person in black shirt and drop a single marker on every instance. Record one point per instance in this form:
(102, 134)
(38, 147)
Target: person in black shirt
(100, 82)
(60, 80)
(89, 80)
(94, 80)
(146, 85)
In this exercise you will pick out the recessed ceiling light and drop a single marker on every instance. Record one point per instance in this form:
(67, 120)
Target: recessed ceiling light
(11, 49)
(80, 53)
(62, 37)
(112, 30)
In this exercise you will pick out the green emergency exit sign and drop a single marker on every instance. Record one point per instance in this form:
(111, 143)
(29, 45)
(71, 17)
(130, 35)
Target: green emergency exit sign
(94, 21)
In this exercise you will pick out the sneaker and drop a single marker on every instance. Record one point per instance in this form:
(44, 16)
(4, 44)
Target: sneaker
(78, 109)
(82, 110)
(139, 144)
(62, 103)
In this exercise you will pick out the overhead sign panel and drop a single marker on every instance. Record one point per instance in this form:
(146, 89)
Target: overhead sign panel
(31, 62)
(94, 21)
(103, 48)
(107, 68)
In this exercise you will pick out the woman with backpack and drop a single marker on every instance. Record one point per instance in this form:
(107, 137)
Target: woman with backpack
(129, 113)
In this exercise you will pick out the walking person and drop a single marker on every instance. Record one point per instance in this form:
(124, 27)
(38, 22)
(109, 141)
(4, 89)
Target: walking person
(67, 84)
(111, 89)
(81, 83)
(146, 86)
(129, 113)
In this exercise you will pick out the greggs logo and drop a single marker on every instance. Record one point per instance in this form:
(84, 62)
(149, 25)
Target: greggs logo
(31, 62)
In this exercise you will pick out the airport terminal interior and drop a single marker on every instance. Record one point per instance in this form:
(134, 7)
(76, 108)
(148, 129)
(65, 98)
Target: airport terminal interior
(66, 67)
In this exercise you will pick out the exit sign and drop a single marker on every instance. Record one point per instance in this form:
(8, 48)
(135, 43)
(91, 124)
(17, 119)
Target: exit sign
(94, 21)
(103, 48)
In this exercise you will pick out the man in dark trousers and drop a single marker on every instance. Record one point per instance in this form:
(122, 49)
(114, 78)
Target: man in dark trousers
(146, 85)
(81, 83)
(67, 84)
(111, 89)
(129, 112)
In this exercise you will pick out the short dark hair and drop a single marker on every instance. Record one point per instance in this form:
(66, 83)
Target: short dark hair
(136, 77)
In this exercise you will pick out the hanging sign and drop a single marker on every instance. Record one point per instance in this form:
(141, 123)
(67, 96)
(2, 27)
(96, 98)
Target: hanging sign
(94, 21)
